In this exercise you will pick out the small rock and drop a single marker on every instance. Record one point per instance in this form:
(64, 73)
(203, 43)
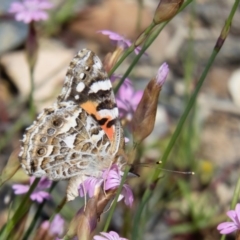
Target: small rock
(53, 60)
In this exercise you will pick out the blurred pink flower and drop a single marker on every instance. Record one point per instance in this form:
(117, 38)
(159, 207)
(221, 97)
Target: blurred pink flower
(89, 185)
(38, 194)
(162, 74)
(56, 227)
(127, 98)
(112, 180)
(229, 227)
(30, 10)
(119, 39)
(108, 236)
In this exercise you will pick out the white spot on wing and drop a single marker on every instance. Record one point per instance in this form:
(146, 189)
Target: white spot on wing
(69, 140)
(80, 87)
(101, 85)
(97, 62)
(77, 97)
(109, 112)
(82, 75)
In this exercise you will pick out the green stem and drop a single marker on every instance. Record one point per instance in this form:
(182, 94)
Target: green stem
(123, 57)
(31, 100)
(108, 220)
(146, 45)
(130, 50)
(37, 214)
(234, 200)
(148, 42)
(58, 208)
(219, 44)
(236, 195)
(22, 209)
(9, 134)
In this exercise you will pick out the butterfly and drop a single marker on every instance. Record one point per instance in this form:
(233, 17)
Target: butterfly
(80, 135)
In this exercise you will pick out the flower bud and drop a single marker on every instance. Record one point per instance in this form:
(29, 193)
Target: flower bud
(144, 117)
(166, 9)
(112, 58)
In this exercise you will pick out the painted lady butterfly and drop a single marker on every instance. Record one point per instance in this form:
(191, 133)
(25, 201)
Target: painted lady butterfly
(80, 135)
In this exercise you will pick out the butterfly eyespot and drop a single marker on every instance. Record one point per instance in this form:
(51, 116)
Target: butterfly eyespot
(41, 151)
(43, 139)
(63, 144)
(87, 68)
(57, 122)
(51, 131)
(63, 150)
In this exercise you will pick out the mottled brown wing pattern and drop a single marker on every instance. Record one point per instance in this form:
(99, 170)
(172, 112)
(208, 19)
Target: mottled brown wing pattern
(80, 135)
(64, 142)
(88, 85)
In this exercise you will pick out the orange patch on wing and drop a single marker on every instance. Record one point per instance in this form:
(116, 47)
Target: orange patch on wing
(91, 108)
(108, 131)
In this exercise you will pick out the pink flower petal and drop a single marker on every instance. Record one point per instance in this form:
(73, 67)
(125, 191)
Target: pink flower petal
(20, 188)
(109, 236)
(128, 195)
(232, 215)
(57, 226)
(237, 210)
(162, 74)
(227, 227)
(120, 39)
(39, 196)
(30, 10)
(88, 186)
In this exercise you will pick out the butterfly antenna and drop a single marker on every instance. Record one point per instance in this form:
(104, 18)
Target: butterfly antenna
(173, 171)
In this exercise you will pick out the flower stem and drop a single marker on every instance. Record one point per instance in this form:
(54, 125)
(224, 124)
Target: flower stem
(21, 210)
(146, 45)
(149, 191)
(37, 214)
(108, 220)
(58, 208)
(32, 110)
(234, 200)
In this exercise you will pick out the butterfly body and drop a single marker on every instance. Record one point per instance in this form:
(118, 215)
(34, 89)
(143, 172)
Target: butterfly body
(80, 135)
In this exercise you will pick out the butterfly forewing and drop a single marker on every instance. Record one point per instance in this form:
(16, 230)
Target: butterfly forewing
(88, 85)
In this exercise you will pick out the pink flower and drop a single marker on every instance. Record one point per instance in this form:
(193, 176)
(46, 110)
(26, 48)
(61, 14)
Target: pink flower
(109, 236)
(228, 227)
(127, 99)
(88, 186)
(162, 74)
(30, 10)
(112, 180)
(38, 194)
(56, 227)
(119, 39)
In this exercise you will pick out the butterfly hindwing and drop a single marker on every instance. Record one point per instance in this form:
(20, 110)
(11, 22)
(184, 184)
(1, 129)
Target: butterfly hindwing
(65, 142)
